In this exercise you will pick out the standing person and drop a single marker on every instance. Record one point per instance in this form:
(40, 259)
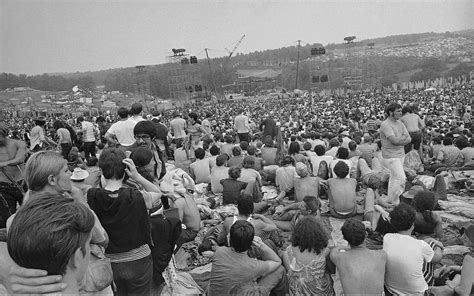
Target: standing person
(242, 126)
(89, 133)
(394, 136)
(415, 126)
(37, 136)
(12, 153)
(269, 128)
(370, 263)
(207, 127)
(178, 127)
(120, 134)
(64, 138)
(196, 133)
(466, 118)
(135, 112)
(161, 134)
(123, 213)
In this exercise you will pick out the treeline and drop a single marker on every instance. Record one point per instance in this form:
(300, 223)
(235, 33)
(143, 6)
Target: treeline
(45, 82)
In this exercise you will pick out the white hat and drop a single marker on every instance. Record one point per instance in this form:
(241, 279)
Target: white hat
(79, 174)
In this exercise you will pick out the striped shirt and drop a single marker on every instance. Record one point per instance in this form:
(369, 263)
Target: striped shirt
(88, 131)
(132, 255)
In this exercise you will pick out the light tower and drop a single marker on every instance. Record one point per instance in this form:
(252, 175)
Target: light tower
(352, 65)
(184, 80)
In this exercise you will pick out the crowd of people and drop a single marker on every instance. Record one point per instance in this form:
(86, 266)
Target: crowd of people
(99, 205)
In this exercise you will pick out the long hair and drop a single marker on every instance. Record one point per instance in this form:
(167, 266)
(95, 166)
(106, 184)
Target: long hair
(40, 166)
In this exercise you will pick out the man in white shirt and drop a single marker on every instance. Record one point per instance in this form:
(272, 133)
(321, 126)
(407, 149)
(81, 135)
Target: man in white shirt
(405, 254)
(394, 136)
(178, 126)
(135, 112)
(242, 126)
(89, 133)
(121, 132)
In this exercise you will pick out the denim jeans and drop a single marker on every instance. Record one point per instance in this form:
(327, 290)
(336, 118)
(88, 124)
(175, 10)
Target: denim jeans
(134, 277)
(89, 150)
(396, 183)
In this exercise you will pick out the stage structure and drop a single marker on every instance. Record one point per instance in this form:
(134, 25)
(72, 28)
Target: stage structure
(352, 72)
(370, 72)
(319, 70)
(184, 79)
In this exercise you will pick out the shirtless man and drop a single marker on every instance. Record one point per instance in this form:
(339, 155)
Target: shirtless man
(189, 216)
(361, 270)
(12, 153)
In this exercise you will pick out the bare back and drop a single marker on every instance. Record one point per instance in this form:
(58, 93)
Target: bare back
(188, 212)
(361, 270)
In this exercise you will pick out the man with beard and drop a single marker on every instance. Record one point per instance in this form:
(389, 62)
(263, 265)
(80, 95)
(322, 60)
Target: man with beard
(12, 153)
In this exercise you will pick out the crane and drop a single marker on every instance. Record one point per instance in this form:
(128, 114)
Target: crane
(235, 47)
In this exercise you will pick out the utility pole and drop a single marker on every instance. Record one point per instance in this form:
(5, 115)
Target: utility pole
(210, 70)
(297, 64)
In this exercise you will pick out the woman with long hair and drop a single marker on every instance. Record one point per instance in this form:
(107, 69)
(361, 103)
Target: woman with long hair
(306, 259)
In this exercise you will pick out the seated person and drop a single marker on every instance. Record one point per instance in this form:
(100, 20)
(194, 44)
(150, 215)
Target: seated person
(285, 178)
(285, 218)
(181, 159)
(200, 170)
(231, 266)
(218, 173)
(405, 254)
(189, 216)
(342, 192)
(252, 151)
(305, 184)
(427, 222)
(269, 152)
(237, 158)
(448, 156)
(370, 263)
(462, 282)
(307, 151)
(229, 144)
(307, 259)
(248, 174)
(232, 188)
(341, 156)
(374, 177)
(53, 233)
(316, 160)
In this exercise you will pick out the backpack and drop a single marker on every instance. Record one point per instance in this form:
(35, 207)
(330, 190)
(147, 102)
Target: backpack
(323, 171)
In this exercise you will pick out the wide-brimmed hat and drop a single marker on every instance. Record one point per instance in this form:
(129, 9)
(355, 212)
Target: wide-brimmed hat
(79, 174)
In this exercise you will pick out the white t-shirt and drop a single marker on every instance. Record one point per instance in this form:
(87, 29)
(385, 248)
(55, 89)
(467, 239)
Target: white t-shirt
(123, 131)
(316, 161)
(404, 269)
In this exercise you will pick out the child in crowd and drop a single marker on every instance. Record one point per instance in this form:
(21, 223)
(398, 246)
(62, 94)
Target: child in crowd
(251, 151)
(94, 172)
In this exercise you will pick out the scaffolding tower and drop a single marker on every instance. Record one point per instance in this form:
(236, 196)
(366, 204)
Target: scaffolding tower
(319, 69)
(352, 72)
(184, 79)
(370, 73)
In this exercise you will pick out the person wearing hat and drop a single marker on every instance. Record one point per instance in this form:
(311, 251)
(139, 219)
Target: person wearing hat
(12, 153)
(305, 184)
(78, 177)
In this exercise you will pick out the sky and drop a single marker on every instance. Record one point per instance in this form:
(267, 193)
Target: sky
(51, 36)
